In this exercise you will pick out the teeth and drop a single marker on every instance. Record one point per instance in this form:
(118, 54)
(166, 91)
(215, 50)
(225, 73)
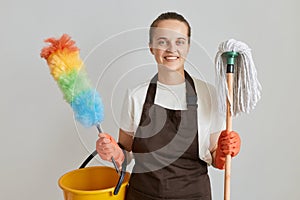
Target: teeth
(171, 57)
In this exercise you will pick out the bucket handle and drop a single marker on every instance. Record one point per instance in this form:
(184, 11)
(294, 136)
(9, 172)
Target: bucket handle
(122, 173)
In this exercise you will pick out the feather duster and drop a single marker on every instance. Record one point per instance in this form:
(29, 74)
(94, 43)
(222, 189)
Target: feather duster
(68, 71)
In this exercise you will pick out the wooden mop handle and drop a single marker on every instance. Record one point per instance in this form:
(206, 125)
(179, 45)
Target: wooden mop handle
(229, 75)
(228, 128)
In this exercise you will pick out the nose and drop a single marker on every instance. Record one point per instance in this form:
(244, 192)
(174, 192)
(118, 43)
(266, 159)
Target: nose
(172, 47)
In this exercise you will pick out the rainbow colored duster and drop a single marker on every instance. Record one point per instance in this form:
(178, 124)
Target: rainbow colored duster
(68, 70)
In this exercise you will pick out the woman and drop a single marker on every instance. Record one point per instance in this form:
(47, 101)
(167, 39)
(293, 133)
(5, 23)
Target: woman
(170, 125)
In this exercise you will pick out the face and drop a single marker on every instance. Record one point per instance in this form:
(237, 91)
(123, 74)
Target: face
(170, 44)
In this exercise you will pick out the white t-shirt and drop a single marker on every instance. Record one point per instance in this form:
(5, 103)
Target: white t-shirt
(210, 121)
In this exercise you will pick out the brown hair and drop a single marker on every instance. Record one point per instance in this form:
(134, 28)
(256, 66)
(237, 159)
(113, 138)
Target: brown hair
(166, 16)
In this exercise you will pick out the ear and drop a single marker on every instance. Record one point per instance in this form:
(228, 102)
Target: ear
(188, 50)
(150, 48)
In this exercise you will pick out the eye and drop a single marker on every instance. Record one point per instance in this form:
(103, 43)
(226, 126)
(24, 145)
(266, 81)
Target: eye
(162, 42)
(180, 42)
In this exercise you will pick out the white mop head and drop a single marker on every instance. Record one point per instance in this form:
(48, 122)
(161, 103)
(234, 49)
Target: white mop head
(246, 88)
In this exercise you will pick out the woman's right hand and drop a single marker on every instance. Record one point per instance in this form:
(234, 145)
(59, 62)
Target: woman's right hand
(108, 148)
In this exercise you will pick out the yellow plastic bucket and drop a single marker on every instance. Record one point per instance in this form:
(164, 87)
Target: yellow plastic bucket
(92, 183)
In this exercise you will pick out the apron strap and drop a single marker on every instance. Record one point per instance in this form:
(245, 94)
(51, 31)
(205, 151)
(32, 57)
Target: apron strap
(151, 90)
(191, 95)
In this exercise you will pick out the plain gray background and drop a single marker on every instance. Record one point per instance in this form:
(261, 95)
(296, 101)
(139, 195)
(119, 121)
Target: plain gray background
(40, 140)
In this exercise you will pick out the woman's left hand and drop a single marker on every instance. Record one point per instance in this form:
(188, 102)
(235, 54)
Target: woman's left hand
(229, 143)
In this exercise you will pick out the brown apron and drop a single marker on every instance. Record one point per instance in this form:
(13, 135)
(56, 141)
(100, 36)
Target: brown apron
(165, 147)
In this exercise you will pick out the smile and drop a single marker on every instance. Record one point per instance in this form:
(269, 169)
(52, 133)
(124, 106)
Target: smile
(171, 58)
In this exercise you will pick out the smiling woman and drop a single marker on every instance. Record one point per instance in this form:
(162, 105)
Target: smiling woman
(170, 125)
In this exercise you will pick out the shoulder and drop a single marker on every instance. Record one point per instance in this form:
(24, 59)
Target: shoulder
(132, 106)
(138, 92)
(204, 89)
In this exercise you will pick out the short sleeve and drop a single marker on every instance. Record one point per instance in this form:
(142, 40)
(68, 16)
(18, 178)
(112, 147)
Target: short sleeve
(218, 121)
(219, 118)
(127, 114)
(210, 121)
(132, 107)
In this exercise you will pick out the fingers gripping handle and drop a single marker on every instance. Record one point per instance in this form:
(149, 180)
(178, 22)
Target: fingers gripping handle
(124, 165)
(112, 158)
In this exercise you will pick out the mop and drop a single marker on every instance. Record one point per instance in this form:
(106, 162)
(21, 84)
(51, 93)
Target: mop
(69, 72)
(238, 88)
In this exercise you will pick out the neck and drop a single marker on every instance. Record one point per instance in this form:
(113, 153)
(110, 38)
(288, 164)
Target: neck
(170, 77)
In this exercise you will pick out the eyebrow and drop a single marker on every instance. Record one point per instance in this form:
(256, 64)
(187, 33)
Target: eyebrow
(164, 38)
(182, 38)
(159, 38)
